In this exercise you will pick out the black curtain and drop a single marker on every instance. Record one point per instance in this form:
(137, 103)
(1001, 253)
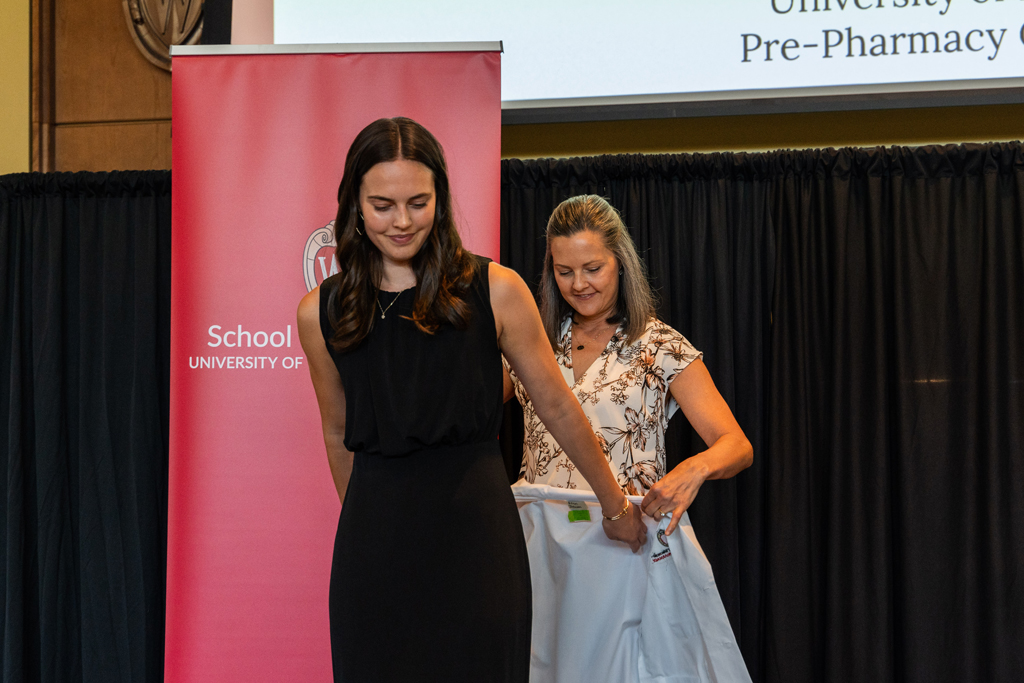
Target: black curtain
(702, 223)
(84, 371)
(895, 460)
(216, 22)
(862, 312)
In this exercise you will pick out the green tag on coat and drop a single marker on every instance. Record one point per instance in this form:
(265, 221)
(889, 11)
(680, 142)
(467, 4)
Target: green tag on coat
(578, 512)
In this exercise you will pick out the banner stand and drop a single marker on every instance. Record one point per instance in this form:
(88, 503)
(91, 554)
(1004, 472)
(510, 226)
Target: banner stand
(260, 135)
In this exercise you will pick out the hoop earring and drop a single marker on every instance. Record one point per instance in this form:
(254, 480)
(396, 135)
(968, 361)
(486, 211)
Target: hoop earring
(358, 231)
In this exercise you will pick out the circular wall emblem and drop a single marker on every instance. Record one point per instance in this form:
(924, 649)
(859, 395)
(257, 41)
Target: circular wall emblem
(318, 261)
(155, 25)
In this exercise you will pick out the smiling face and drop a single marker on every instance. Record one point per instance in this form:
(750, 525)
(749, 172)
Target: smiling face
(587, 274)
(397, 200)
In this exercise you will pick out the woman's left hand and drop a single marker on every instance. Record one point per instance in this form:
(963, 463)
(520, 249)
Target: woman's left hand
(675, 492)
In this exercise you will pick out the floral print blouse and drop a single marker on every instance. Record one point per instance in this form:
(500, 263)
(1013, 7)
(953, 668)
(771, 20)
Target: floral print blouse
(625, 396)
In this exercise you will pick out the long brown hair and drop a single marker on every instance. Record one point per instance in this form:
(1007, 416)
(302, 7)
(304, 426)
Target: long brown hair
(443, 268)
(635, 303)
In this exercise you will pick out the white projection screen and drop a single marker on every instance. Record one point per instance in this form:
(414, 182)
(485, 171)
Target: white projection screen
(585, 59)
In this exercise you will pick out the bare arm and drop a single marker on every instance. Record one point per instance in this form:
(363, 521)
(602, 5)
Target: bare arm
(330, 395)
(729, 452)
(522, 340)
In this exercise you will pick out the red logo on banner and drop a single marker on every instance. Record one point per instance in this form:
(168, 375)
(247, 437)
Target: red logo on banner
(319, 262)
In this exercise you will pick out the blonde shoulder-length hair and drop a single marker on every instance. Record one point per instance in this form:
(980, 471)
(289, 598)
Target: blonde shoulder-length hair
(635, 304)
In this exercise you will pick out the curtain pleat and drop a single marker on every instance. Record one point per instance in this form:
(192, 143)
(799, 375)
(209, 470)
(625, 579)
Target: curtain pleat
(84, 380)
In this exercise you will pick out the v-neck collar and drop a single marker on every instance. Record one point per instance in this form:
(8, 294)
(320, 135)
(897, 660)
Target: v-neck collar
(615, 343)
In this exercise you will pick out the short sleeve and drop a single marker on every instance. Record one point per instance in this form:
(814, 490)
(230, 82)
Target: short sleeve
(672, 354)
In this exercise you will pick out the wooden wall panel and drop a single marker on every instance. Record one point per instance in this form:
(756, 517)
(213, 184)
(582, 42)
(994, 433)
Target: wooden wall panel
(43, 91)
(114, 146)
(100, 74)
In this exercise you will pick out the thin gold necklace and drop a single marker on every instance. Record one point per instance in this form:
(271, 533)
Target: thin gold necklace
(385, 310)
(577, 335)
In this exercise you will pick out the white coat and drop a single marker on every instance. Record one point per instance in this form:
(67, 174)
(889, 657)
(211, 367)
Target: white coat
(602, 613)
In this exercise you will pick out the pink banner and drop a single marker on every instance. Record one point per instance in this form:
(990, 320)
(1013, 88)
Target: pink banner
(259, 148)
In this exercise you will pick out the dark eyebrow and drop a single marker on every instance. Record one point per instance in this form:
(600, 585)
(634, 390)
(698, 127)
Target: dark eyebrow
(421, 195)
(588, 263)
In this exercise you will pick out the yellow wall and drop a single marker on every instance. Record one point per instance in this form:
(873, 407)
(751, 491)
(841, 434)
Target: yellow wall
(14, 86)
(766, 132)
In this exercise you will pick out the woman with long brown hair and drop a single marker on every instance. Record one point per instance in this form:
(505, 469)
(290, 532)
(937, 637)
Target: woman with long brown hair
(430, 579)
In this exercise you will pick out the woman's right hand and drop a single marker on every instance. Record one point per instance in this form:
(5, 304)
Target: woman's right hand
(630, 528)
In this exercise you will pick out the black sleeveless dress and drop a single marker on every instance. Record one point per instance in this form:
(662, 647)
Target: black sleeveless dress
(430, 579)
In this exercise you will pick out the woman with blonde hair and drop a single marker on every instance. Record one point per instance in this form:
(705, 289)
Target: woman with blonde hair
(629, 370)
